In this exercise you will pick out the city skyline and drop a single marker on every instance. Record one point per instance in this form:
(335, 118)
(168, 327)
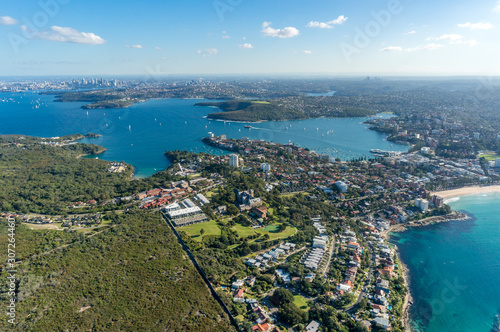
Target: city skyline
(395, 38)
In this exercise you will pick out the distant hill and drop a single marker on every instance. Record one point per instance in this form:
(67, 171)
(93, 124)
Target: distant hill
(260, 110)
(252, 111)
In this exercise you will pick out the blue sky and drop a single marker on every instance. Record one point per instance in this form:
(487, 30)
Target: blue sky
(395, 37)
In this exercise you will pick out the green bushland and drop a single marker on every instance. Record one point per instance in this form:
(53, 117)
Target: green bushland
(131, 277)
(244, 110)
(261, 110)
(40, 178)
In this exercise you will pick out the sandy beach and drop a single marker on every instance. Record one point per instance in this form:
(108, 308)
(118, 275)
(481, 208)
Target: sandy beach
(447, 194)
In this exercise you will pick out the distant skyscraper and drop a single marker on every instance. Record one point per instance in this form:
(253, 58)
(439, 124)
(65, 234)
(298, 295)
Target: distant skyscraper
(233, 160)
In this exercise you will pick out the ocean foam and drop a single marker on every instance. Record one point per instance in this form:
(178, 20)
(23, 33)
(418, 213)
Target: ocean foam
(451, 200)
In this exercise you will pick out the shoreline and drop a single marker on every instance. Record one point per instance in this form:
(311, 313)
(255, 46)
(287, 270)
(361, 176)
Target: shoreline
(453, 215)
(466, 191)
(405, 271)
(91, 154)
(408, 297)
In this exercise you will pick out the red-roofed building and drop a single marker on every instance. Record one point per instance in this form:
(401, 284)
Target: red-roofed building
(153, 192)
(261, 327)
(353, 245)
(379, 307)
(261, 212)
(238, 294)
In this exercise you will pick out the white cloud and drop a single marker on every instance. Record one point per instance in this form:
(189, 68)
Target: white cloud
(471, 42)
(66, 35)
(134, 46)
(208, 52)
(7, 20)
(392, 49)
(307, 51)
(428, 47)
(224, 35)
(327, 25)
(476, 26)
(454, 39)
(497, 7)
(246, 45)
(450, 37)
(410, 32)
(432, 47)
(157, 48)
(286, 32)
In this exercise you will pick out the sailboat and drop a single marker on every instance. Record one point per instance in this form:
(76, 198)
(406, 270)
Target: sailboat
(129, 128)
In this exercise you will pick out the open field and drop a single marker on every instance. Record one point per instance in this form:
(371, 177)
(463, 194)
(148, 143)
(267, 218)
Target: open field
(300, 302)
(210, 227)
(272, 230)
(54, 226)
(293, 194)
(490, 157)
(209, 193)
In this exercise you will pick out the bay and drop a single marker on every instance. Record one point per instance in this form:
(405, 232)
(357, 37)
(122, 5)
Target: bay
(455, 268)
(140, 134)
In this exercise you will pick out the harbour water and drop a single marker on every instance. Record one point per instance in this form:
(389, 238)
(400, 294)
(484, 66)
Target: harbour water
(141, 133)
(455, 268)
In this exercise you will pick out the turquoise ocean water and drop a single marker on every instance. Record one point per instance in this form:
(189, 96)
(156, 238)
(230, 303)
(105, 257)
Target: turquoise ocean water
(455, 268)
(141, 134)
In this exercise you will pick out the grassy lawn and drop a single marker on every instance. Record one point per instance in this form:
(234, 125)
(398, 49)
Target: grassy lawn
(243, 230)
(195, 175)
(210, 227)
(490, 157)
(300, 302)
(209, 193)
(260, 102)
(293, 194)
(56, 226)
(272, 230)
